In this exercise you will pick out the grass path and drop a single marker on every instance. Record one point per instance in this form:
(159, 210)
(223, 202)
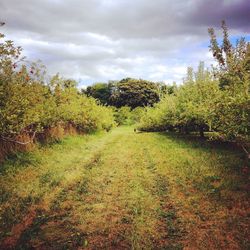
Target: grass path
(125, 190)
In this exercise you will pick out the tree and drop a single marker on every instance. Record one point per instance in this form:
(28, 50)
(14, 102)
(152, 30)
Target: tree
(231, 59)
(29, 105)
(194, 100)
(164, 89)
(22, 97)
(135, 93)
(189, 108)
(100, 91)
(232, 112)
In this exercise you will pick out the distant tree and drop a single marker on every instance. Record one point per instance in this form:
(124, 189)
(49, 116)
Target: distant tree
(135, 93)
(166, 89)
(100, 91)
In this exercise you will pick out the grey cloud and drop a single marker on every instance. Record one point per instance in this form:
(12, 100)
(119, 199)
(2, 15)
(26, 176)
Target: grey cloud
(103, 39)
(211, 12)
(122, 19)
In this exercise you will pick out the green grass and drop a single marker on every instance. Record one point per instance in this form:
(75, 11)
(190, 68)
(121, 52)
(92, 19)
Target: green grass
(125, 190)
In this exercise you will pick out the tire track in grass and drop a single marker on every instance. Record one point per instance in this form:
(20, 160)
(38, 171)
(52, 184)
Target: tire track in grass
(132, 191)
(171, 226)
(41, 222)
(203, 218)
(94, 205)
(103, 215)
(123, 209)
(46, 209)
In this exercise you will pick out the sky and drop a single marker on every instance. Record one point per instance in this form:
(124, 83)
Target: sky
(100, 40)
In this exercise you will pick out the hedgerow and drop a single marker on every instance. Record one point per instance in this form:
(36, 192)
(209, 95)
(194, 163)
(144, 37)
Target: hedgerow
(216, 101)
(30, 105)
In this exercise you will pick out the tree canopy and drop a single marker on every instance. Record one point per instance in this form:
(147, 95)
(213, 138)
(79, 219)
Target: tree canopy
(135, 93)
(28, 104)
(216, 100)
(100, 91)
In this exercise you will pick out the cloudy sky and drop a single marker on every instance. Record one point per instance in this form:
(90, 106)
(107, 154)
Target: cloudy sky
(101, 40)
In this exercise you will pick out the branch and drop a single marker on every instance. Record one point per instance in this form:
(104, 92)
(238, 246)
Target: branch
(19, 142)
(245, 150)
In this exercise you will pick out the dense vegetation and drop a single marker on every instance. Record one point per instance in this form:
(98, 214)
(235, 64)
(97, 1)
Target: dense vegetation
(126, 92)
(30, 106)
(216, 101)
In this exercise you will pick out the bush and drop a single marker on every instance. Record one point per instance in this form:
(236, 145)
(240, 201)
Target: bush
(218, 102)
(28, 105)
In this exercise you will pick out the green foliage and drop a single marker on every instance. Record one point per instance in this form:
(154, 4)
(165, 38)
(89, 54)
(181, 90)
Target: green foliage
(29, 105)
(187, 108)
(126, 116)
(128, 92)
(78, 109)
(160, 117)
(232, 105)
(135, 93)
(215, 101)
(136, 114)
(166, 89)
(100, 91)
(122, 115)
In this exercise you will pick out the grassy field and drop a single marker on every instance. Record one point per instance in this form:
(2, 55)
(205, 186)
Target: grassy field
(125, 190)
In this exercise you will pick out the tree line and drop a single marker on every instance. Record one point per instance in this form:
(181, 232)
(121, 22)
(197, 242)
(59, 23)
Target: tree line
(127, 92)
(31, 105)
(214, 100)
(129, 97)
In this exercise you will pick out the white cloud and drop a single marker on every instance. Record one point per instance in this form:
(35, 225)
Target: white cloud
(99, 40)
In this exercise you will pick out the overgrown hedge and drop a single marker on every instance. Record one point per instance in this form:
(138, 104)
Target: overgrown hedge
(31, 106)
(216, 101)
